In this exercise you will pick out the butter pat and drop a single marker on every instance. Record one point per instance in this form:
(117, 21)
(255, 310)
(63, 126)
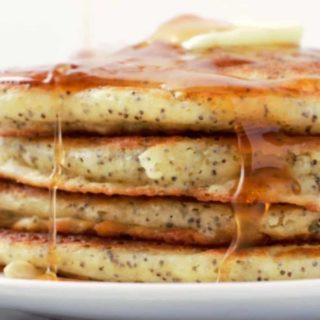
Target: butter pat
(246, 36)
(186, 27)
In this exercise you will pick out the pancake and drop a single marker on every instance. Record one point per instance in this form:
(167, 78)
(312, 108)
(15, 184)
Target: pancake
(131, 261)
(171, 220)
(208, 170)
(157, 86)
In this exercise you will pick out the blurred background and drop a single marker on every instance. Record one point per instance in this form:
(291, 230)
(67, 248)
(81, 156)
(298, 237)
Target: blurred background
(36, 32)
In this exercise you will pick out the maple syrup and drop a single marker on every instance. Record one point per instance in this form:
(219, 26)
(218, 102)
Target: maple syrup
(259, 171)
(153, 65)
(54, 79)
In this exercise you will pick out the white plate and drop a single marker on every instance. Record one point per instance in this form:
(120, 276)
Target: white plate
(91, 300)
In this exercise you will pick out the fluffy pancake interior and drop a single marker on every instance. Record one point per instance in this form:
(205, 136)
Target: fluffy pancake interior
(172, 91)
(128, 261)
(164, 219)
(208, 170)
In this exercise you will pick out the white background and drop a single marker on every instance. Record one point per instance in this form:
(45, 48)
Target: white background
(43, 31)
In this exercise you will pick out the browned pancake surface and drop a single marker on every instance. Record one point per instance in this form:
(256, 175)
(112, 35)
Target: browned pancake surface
(171, 220)
(160, 87)
(126, 261)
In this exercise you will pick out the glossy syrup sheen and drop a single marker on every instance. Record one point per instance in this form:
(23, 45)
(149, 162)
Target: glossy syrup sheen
(283, 69)
(259, 172)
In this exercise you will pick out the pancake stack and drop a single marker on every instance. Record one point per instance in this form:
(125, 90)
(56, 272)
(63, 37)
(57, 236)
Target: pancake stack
(170, 164)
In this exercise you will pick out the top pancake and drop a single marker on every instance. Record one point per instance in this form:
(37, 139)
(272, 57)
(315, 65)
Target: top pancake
(161, 87)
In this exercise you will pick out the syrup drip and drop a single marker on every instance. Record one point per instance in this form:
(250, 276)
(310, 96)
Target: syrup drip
(54, 77)
(259, 171)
